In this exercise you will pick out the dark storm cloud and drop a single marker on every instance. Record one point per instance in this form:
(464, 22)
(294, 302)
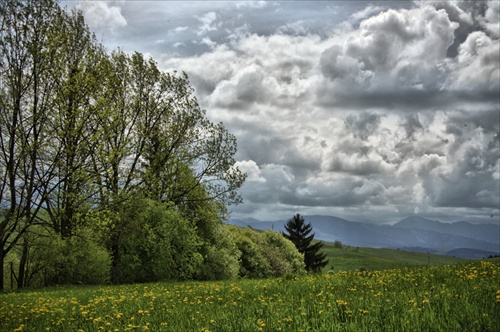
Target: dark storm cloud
(412, 125)
(363, 124)
(403, 100)
(475, 189)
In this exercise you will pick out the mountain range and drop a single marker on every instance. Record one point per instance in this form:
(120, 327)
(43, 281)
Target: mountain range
(415, 233)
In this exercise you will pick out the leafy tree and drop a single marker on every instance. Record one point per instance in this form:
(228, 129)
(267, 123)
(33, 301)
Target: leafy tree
(156, 142)
(27, 77)
(84, 134)
(221, 257)
(299, 234)
(53, 260)
(73, 133)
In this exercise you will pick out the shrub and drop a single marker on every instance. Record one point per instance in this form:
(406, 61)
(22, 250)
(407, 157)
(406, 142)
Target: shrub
(155, 243)
(221, 256)
(282, 255)
(265, 254)
(253, 264)
(74, 260)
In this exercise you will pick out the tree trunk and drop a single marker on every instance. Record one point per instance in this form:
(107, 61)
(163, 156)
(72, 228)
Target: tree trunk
(22, 265)
(2, 261)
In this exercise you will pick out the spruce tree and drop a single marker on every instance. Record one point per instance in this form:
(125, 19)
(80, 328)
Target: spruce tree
(300, 234)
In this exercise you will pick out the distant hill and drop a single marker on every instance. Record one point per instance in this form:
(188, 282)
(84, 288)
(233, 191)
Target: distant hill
(484, 232)
(410, 233)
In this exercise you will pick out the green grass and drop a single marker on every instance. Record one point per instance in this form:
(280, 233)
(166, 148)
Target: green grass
(460, 297)
(353, 258)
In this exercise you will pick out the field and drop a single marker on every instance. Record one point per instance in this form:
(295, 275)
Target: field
(459, 297)
(351, 258)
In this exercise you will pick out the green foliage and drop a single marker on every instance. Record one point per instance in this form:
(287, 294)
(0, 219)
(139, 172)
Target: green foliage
(155, 243)
(84, 134)
(221, 257)
(253, 263)
(282, 255)
(337, 244)
(461, 297)
(298, 233)
(78, 259)
(265, 254)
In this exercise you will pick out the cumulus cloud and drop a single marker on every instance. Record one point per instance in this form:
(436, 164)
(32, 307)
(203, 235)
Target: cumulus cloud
(252, 170)
(99, 14)
(208, 23)
(365, 13)
(397, 52)
(393, 111)
(251, 4)
(477, 65)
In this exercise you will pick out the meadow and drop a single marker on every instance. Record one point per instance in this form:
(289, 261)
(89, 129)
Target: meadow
(349, 258)
(458, 297)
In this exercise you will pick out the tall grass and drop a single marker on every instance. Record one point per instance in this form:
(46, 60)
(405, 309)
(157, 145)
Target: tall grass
(462, 297)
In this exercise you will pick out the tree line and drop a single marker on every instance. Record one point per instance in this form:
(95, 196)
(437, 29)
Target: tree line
(109, 169)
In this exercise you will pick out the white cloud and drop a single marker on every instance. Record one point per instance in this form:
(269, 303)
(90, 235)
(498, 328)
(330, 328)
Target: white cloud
(477, 64)
(368, 11)
(100, 14)
(252, 170)
(207, 41)
(492, 19)
(399, 50)
(208, 23)
(377, 118)
(251, 4)
(180, 29)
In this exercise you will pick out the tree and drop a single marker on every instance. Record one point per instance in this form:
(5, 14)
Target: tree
(27, 62)
(73, 132)
(300, 234)
(85, 133)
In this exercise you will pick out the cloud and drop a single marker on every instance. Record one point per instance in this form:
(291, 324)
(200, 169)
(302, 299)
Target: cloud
(477, 65)
(252, 170)
(491, 20)
(208, 23)
(394, 57)
(367, 12)
(99, 14)
(393, 111)
(251, 4)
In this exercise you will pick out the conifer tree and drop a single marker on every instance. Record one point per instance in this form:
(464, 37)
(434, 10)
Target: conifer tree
(300, 234)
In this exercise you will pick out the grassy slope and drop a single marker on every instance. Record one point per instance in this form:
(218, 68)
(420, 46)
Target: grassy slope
(352, 258)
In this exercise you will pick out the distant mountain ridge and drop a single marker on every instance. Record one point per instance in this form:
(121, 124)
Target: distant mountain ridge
(461, 239)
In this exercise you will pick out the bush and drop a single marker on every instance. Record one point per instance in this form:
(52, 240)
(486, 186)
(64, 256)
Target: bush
(266, 254)
(221, 257)
(79, 259)
(155, 243)
(282, 255)
(253, 264)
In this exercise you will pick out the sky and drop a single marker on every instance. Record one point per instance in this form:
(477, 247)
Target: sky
(370, 111)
